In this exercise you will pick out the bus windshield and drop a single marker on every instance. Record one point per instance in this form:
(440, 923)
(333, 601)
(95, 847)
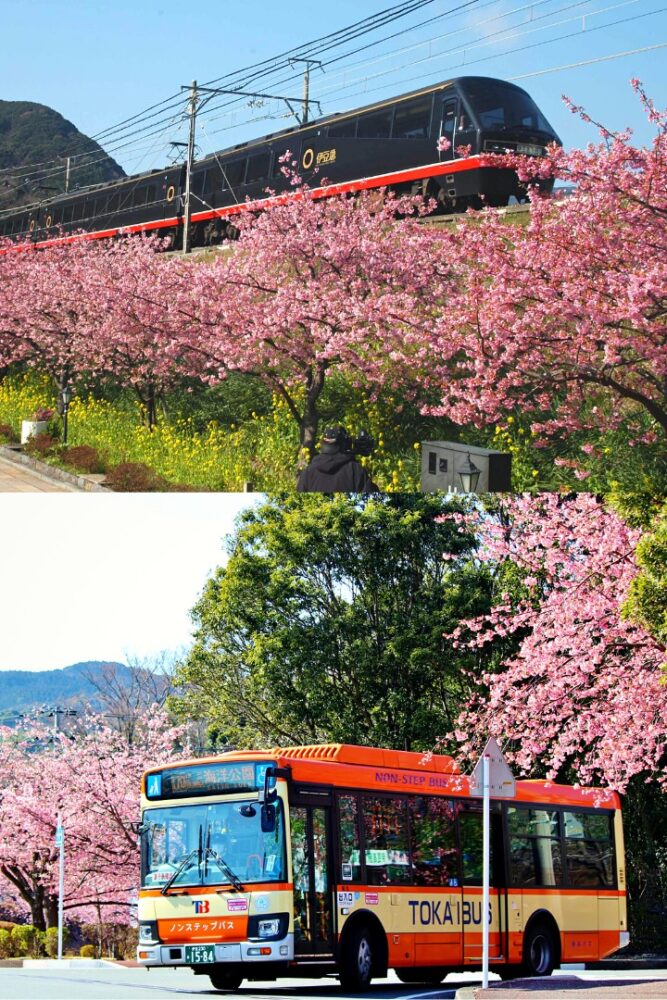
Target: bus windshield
(504, 108)
(213, 844)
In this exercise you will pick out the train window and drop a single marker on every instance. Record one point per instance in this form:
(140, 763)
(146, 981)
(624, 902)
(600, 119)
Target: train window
(114, 202)
(375, 126)
(67, 213)
(78, 211)
(139, 196)
(277, 168)
(447, 125)
(344, 130)
(412, 119)
(150, 194)
(258, 167)
(234, 172)
(214, 180)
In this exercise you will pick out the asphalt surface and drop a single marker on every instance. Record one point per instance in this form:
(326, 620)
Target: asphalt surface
(109, 981)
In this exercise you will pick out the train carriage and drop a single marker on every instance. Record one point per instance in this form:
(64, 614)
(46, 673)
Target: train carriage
(392, 143)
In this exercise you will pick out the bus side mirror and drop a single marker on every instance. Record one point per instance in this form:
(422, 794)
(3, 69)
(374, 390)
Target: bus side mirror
(268, 819)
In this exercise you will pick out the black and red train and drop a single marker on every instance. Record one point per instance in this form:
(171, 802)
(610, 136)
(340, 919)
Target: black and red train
(391, 143)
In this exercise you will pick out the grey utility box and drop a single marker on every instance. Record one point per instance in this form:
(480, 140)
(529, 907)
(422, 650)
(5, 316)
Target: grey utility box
(443, 460)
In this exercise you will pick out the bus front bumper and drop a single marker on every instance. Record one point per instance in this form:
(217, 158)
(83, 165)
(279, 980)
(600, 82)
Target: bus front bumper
(251, 952)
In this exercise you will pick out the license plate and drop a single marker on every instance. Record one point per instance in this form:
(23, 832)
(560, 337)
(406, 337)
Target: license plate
(200, 954)
(528, 150)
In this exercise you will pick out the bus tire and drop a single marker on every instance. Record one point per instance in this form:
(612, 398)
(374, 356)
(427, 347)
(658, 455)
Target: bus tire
(355, 967)
(540, 950)
(226, 980)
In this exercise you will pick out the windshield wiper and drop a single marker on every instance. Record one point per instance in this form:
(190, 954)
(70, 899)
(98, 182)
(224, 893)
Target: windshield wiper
(181, 868)
(225, 869)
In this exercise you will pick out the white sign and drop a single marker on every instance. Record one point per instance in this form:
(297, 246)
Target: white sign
(501, 780)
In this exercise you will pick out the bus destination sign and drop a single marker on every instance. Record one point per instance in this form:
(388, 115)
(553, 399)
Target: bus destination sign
(205, 779)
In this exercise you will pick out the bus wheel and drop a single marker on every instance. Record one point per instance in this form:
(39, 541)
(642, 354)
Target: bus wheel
(539, 951)
(356, 962)
(227, 980)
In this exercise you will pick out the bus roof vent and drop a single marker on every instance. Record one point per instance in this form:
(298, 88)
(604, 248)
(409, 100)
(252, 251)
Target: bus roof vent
(346, 753)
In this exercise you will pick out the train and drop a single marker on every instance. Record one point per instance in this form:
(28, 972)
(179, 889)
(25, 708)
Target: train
(389, 144)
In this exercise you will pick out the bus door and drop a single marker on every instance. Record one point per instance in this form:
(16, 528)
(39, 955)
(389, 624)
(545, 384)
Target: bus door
(310, 834)
(470, 831)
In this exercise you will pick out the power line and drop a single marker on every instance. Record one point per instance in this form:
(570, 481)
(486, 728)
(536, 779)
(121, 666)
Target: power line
(590, 62)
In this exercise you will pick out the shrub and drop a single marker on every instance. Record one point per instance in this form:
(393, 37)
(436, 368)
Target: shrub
(6, 945)
(134, 477)
(41, 444)
(7, 433)
(25, 940)
(88, 951)
(51, 941)
(83, 457)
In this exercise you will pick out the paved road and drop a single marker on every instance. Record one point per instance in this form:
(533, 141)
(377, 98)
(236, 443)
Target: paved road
(114, 983)
(16, 478)
(111, 982)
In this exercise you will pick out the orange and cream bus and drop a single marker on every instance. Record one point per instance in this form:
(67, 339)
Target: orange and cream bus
(355, 860)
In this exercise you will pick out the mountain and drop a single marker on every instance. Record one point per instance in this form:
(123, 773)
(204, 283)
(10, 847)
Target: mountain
(35, 142)
(23, 691)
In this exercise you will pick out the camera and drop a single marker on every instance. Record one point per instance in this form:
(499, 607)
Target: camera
(363, 444)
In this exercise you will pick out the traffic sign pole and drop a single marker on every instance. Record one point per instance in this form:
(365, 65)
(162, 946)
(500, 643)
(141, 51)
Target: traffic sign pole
(491, 774)
(60, 843)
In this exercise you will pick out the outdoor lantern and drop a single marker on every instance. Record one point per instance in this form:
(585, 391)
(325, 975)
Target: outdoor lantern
(65, 399)
(469, 474)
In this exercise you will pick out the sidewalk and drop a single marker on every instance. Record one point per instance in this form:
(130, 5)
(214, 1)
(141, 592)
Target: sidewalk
(19, 473)
(638, 986)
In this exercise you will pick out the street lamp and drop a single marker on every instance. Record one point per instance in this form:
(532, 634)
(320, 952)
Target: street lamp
(65, 400)
(469, 474)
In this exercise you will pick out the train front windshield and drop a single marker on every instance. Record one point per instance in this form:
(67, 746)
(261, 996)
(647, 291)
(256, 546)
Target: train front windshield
(212, 844)
(503, 108)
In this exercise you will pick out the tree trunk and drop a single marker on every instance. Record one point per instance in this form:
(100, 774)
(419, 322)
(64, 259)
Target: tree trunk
(310, 417)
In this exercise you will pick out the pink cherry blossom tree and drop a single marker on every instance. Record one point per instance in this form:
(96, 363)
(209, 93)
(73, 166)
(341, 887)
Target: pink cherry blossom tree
(313, 286)
(90, 779)
(565, 319)
(585, 690)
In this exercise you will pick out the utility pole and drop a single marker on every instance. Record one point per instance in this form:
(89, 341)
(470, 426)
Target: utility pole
(192, 112)
(67, 169)
(306, 85)
(195, 105)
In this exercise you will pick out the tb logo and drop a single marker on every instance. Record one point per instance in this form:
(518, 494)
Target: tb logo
(201, 905)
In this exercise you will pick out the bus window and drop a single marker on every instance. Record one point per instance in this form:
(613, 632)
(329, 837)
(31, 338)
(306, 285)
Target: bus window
(374, 126)
(350, 850)
(470, 828)
(412, 119)
(534, 847)
(386, 841)
(434, 851)
(589, 850)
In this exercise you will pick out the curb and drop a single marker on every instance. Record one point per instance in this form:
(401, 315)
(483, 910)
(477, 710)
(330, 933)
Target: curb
(51, 471)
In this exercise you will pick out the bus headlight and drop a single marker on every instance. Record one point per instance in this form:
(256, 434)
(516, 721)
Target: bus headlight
(268, 928)
(148, 932)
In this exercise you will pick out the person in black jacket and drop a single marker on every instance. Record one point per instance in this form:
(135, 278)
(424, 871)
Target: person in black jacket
(335, 469)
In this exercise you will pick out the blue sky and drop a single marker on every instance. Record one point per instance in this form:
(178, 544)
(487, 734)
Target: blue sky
(105, 576)
(101, 63)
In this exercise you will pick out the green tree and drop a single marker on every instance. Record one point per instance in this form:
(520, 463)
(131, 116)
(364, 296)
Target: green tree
(328, 623)
(647, 600)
